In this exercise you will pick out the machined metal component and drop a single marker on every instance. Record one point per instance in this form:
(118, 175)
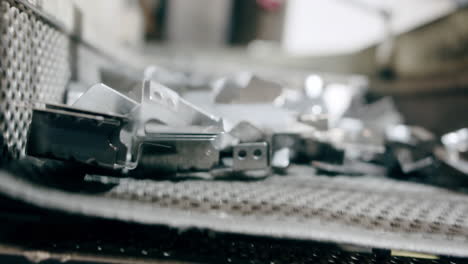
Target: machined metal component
(351, 168)
(451, 172)
(250, 156)
(378, 115)
(162, 105)
(74, 91)
(103, 99)
(317, 121)
(163, 118)
(408, 135)
(412, 148)
(354, 136)
(410, 161)
(451, 160)
(178, 153)
(70, 134)
(260, 90)
(226, 90)
(456, 144)
(304, 149)
(246, 88)
(281, 159)
(122, 80)
(176, 80)
(246, 132)
(162, 133)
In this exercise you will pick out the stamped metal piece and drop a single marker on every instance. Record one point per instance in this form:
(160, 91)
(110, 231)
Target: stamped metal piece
(247, 132)
(250, 156)
(246, 88)
(108, 129)
(281, 159)
(162, 105)
(64, 133)
(178, 154)
(101, 98)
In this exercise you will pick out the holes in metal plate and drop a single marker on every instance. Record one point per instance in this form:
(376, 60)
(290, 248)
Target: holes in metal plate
(257, 154)
(242, 154)
(27, 44)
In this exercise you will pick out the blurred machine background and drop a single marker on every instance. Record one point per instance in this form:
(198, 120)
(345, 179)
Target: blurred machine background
(414, 50)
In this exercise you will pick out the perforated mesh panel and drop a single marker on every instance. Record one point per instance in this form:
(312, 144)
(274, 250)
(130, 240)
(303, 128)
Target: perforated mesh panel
(372, 204)
(369, 212)
(34, 66)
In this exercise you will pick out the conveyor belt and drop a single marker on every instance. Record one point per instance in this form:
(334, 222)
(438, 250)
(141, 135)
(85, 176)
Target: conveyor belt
(369, 211)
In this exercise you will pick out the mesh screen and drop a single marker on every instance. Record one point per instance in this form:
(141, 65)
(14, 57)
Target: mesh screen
(369, 212)
(348, 202)
(34, 66)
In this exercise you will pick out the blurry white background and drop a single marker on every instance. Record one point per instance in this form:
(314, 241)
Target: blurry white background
(319, 27)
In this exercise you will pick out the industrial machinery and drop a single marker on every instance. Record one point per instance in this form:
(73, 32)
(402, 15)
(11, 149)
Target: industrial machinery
(161, 165)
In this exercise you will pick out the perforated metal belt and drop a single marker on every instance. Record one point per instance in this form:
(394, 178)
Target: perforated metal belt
(370, 212)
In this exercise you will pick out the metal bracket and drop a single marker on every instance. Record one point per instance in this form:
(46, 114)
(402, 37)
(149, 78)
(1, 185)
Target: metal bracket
(250, 156)
(70, 134)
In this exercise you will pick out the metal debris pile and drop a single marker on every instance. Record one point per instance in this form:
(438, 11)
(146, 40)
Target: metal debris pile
(241, 126)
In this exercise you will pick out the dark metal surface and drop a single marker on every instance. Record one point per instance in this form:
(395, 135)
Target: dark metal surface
(365, 211)
(70, 134)
(34, 235)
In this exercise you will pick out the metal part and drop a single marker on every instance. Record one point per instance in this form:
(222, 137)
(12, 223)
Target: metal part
(359, 141)
(260, 90)
(456, 143)
(460, 165)
(317, 121)
(247, 133)
(165, 119)
(281, 159)
(164, 106)
(378, 115)
(176, 80)
(182, 149)
(452, 166)
(122, 80)
(408, 135)
(246, 88)
(412, 149)
(226, 90)
(175, 154)
(163, 133)
(70, 134)
(103, 99)
(410, 162)
(304, 149)
(250, 156)
(260, 115)
(74, 91)
(351, 168)
(450, 173)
